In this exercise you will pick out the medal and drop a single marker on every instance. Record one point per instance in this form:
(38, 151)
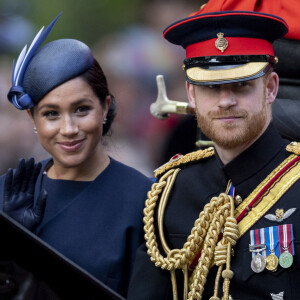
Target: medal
(258, 249)
(271, 243)
(258, 263)
(286, 240)
(286, 259)
(272, 262)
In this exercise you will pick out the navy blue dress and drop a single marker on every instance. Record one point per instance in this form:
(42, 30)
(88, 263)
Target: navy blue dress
(96, 224)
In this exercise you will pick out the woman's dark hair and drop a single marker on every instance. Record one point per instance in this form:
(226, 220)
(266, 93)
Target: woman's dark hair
(96, 79)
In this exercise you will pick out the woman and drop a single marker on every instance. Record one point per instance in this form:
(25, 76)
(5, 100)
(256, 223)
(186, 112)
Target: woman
(93, 212)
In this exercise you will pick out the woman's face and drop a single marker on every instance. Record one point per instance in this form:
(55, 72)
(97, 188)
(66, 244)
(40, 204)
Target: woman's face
(69, 123)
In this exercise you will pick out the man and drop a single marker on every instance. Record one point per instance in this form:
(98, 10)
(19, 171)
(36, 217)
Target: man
(223, 222)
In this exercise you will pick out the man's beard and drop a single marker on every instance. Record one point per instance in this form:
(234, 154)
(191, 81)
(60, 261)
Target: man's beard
(232, 135)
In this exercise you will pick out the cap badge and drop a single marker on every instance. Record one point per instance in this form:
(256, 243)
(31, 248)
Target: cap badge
(221, 43)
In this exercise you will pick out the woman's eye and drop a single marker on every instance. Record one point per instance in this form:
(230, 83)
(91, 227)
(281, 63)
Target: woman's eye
(50, 114)
(83, 109)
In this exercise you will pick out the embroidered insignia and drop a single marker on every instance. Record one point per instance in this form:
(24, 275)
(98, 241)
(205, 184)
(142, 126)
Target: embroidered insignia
(280, 215)
(178, 160)
(221, 43)
(277, 296)
(176, 157)
(279, 212)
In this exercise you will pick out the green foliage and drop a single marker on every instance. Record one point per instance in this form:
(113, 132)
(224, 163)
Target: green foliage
(88, 20)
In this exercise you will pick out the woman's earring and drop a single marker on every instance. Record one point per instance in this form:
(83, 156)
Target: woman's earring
(104, 121)
(34, 130)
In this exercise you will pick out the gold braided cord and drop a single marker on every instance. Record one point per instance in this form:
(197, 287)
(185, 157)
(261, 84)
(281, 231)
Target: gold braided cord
(271, 196)
(217, 214)
(174, 285)
(222, 218)
(162, 206)
(204, 235)
(245, 203)
(192, 156)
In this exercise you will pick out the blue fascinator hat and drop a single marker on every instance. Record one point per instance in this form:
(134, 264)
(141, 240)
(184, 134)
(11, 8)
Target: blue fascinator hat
(38, 71)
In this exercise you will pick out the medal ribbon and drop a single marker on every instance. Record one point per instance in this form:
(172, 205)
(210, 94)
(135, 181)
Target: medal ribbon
(272, 240)
(252, 241)
(262, 240)
(257, 237)
(231, 190)
(286, 238)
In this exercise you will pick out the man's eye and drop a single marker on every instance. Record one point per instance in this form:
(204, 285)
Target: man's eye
(242, 83)
(213, 86)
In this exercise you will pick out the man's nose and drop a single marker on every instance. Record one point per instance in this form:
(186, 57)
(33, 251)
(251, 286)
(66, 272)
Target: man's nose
(227, 98)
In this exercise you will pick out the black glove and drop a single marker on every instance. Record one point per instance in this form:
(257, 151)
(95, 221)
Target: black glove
(18, 200)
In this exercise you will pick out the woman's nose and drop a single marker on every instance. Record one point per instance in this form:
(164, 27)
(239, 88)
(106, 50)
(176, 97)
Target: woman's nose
(68, 126)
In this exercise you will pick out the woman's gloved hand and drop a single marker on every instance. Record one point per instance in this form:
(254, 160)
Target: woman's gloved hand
(19, 188)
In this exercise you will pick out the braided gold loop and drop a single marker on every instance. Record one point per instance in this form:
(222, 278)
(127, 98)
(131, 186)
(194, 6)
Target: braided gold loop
(174, 285)
(162, 206)
(216, 289)
(203, 237)
(231, 231)
(220, 254)
(231, 234)
(206, 258)
(185, 282)
(227, 274)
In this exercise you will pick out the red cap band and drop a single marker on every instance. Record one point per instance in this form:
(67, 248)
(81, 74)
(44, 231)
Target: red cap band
(236, 46)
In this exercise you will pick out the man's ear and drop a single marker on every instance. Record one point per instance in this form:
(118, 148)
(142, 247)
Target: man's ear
(272, 84)
(190, 90)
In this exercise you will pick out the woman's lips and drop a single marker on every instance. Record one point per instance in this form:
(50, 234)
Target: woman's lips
(71, 146)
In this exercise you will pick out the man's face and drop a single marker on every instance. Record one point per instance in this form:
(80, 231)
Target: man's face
(235, 114)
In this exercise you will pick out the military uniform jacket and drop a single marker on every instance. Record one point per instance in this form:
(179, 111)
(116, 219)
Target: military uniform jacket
(97, 224)
(195, 185)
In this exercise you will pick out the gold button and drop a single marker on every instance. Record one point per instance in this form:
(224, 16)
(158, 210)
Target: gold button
(238, 200)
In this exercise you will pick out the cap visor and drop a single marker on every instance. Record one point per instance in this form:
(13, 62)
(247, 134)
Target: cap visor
(248, 71)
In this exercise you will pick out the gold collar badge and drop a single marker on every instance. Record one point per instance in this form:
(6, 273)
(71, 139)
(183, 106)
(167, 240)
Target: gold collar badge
(221, 43)
(279, 214)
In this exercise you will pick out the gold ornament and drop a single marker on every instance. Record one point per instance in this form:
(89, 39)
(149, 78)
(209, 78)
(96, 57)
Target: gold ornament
(221, 43)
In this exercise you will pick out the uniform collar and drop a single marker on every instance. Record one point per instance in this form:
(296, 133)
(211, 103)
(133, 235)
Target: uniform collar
(256, 157)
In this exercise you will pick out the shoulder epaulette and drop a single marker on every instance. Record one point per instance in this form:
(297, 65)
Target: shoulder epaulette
(179, 160)
(293, 147)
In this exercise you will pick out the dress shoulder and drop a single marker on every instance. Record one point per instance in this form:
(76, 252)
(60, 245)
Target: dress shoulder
(180, 160)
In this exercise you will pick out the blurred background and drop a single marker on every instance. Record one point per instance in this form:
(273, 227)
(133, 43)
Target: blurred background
(126, 39)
